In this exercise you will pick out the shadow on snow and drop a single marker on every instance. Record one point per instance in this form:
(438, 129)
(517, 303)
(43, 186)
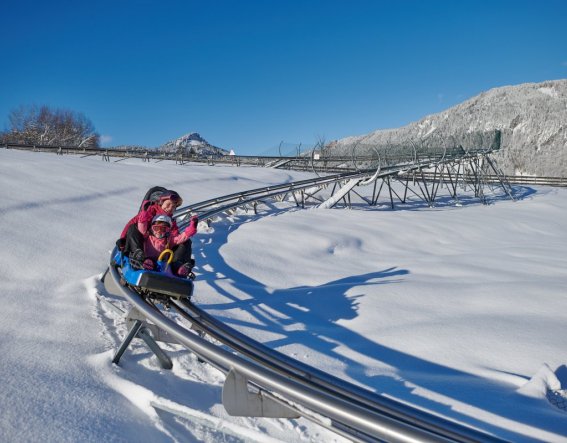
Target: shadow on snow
(311, 315)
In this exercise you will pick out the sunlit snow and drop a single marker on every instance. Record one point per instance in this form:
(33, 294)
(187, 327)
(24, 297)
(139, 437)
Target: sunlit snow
(458, 310)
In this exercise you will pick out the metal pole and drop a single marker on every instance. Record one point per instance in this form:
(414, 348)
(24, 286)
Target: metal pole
(131, 334)
(164, 360)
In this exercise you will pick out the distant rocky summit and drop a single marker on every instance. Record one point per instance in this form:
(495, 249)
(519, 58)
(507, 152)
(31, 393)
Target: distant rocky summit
(531, 116)
(192, 144)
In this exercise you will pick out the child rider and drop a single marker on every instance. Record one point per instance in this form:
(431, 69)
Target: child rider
(160, 236)
(137, 231)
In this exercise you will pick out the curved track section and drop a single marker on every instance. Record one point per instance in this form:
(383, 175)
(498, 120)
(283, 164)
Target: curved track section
(278, 384)
(303, 190)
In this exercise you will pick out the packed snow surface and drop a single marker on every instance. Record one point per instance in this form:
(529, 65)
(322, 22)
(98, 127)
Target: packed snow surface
(457, 310)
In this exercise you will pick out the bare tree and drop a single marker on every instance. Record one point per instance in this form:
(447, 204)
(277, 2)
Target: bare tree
(321, 145)
(45, 126)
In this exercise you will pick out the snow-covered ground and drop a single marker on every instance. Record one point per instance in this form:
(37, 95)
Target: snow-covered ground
(458, 310)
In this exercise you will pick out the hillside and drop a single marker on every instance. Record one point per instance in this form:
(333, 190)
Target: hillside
(457, 310)
(532, 117)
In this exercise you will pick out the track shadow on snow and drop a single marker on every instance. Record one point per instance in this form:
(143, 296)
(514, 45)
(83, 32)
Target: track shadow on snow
(310, 316)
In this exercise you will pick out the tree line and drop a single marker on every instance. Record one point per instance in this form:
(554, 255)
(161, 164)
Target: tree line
(42, 125)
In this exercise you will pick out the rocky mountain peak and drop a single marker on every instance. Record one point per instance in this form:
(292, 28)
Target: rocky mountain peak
(192, 144)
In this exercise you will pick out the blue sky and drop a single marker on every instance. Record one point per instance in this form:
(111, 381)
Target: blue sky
(247, 75)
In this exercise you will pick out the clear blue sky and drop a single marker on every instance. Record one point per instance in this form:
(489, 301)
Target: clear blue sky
(249, 74)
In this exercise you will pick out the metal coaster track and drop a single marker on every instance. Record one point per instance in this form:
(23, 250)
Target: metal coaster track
(302, 190)
(263, 382)
(351, 411)
(323, 381)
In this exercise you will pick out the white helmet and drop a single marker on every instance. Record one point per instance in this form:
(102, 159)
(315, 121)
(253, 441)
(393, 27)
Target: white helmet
(162, 218)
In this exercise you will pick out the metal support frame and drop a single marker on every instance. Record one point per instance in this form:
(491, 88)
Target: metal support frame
(140, 328)
(468, 171)
(455, 171)
(240, 401)
(126, 342)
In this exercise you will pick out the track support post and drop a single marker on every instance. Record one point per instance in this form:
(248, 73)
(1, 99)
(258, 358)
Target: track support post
(129, 337)
(139, 329)
(240, 402)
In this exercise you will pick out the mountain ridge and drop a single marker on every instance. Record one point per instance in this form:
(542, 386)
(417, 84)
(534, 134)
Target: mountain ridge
(531, 116)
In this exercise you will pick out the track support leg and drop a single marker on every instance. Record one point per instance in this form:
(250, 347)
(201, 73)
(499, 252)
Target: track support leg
(164, 360)
(138, 330)
(240, 402)
(131, 334)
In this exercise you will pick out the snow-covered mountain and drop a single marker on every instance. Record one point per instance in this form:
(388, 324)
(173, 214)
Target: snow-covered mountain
(531, 116)
(192, 143)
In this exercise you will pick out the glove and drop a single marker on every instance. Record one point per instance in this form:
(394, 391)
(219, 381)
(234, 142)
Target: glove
(148, 264)
(191, 229)
(121, 243)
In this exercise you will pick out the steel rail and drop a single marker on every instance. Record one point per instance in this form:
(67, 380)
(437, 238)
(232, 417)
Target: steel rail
(326, 382)
(240, 198)
(336, 427)
(381, 427)
(246, 197)
(268, 190)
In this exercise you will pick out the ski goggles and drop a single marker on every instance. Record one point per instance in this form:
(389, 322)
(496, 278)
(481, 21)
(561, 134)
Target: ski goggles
(160, 229)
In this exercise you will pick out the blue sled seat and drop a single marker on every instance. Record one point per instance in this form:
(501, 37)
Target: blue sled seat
(157, 282)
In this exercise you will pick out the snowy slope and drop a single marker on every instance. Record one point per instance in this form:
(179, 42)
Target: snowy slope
(451, 309)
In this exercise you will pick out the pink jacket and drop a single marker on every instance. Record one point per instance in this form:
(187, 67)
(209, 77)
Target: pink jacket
(154, 246)
(144, 218)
